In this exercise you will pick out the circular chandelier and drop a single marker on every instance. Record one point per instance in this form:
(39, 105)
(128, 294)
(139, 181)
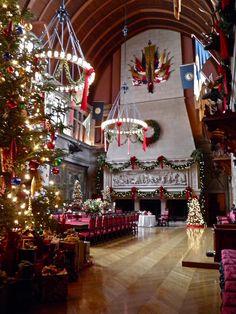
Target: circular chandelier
(124, 124)
(66, 63)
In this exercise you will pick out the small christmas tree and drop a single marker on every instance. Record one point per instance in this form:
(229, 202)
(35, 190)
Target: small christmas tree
(107, 195)
(195, 218)
(77, 196)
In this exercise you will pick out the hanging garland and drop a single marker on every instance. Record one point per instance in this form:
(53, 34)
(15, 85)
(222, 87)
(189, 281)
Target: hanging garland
(161, 191)
(156, 132)
(160, 162)
(134, 161)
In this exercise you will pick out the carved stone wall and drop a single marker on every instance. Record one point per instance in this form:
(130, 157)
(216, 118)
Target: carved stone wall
(172, 180)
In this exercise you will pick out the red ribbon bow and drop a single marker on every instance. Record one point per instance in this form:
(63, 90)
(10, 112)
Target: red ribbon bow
(161, 161)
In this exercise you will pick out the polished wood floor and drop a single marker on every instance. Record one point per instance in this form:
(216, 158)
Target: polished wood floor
(143, 274)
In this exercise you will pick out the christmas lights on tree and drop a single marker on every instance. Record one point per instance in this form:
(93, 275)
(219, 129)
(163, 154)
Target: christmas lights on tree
(195, 218)
(77, 196)
(27, 131)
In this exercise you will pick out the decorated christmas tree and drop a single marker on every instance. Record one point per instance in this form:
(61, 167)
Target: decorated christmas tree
(77, 196)
(107, 195)
(27, 130)
(195, 218)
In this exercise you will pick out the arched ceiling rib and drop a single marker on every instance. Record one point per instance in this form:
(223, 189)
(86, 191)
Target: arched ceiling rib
(98, 23)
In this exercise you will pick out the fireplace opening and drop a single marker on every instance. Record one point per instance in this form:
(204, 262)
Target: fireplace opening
(154, 206)
(178, 209)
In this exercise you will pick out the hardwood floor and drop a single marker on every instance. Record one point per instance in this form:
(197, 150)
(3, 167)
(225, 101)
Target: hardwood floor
(143, 274)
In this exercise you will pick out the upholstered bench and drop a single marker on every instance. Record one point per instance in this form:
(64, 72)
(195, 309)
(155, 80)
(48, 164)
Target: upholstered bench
(230, 286)
(228, 310)
(227, 271)
(229, 299)
(228, 253)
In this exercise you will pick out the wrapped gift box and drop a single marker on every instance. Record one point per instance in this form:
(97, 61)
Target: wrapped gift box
(27, 255)
(71, 252)
(55, 287)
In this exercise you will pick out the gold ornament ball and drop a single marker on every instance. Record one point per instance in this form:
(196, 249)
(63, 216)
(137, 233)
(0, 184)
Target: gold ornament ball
(28, 27)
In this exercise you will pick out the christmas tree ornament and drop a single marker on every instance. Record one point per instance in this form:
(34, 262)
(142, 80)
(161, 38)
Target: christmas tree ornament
(58, 162)
(55, 170)
(33, 165)
(33, 187)
(11, 104)
(2, 78)
(28, 27)
(7, 56)
(19, 30)
(50, 145)
(16, 181)
(10, 69)
(22, 106)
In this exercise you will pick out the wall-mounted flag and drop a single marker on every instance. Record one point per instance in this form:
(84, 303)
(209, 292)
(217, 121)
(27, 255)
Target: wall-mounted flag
(98, 110)
(187, 75)
(201, 57)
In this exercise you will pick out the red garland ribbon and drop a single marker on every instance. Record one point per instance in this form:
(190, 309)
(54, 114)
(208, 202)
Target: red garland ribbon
(161, 161)
(144, 139)
(161, 191)
(133, 161)
(88, 72)
(133, 192)
(119, 124)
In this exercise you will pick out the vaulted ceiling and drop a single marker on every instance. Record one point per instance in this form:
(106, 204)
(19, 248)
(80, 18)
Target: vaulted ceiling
(98, 23)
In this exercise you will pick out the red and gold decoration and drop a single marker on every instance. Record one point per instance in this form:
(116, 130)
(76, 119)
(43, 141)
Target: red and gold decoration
(152, 69)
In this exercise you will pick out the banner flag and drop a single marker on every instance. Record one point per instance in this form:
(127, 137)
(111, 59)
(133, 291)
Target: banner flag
(98, 110)
(187, 75)
(201, 57)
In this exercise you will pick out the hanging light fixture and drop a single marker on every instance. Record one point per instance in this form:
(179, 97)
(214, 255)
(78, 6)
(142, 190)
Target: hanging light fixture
(65, 60)
(124, 123)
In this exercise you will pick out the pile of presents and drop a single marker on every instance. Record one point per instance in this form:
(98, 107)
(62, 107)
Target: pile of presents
(37, 267)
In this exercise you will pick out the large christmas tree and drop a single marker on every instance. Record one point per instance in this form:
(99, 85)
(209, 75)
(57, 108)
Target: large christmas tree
(27, 132)
(195, 218)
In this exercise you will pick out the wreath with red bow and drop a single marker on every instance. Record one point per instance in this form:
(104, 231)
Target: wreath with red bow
(152, 124)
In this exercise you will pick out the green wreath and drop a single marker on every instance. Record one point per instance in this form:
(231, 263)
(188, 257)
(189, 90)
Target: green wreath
(156, 132)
